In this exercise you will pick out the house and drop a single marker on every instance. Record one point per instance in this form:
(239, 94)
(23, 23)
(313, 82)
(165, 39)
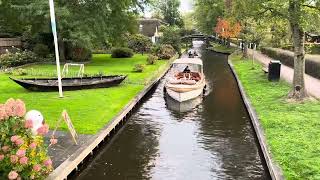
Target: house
(6, 44)
(150, 28)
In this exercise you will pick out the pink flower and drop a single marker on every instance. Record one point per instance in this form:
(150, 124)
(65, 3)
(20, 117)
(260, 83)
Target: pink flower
(47, 162)
(53, 141)
(5, 148)
(9, 107)
(43, 129)
(3, 114)
(21, 152)
(13, 175)
(28, 124)
(23, 161)
(15, 108)
(19, 142)
(37, 167)
(33, 145)
(19, 108)
(14, 159)
(14, 138)
(1, 157)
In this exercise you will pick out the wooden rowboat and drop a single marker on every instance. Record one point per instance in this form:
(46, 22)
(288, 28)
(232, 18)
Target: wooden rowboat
(69, 84)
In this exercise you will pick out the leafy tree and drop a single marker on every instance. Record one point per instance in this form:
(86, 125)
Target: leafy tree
(227, 29)
(300, 15)
(206, 14)
(139, 43)
(169, 9)
(171, 36)
(90, 23)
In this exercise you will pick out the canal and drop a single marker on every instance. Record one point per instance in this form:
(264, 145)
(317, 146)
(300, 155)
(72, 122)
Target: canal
(207, 138)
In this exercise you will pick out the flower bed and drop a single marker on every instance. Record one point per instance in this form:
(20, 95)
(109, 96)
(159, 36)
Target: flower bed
(23, 154)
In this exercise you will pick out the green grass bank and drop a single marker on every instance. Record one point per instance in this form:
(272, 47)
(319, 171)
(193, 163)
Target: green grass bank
(90, 110)
(221, 48)
(292, 129)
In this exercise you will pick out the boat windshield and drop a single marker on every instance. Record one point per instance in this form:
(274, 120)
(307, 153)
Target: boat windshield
(192, 67)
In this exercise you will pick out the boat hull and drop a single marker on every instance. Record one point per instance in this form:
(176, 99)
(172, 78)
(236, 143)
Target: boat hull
(69, 84)
(184, 96)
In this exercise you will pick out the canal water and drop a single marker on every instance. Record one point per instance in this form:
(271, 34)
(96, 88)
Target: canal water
(208, 138)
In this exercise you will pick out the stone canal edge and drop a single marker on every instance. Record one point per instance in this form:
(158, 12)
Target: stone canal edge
(274, 170)
(72, 163)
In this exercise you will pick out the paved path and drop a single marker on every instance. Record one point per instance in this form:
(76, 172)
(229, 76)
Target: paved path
(312, 84)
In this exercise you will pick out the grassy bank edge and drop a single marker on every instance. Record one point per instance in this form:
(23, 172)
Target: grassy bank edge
(221, 48)
(289, 139)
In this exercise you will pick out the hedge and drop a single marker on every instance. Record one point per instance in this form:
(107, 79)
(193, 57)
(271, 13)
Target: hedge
(287, 58)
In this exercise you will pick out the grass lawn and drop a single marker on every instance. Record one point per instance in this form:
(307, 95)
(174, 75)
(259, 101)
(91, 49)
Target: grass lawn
(292, 129)
(91, 109)
(221, 48)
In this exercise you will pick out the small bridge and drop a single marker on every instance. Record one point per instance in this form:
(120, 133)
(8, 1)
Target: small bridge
(199, 37)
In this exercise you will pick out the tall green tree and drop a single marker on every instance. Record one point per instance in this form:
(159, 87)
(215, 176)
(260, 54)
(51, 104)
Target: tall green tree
(207, 13)
(300, 15)
(169, 9)
(89, 22)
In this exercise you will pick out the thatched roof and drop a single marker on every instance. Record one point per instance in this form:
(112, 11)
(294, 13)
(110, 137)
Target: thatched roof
(149, 26)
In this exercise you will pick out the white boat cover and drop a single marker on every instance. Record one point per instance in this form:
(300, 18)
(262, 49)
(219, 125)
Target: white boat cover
(188, 61)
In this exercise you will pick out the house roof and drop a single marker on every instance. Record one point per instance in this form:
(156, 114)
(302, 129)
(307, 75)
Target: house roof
(149, 26)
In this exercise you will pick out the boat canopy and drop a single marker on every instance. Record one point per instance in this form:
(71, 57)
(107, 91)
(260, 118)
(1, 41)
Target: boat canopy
(197, 61)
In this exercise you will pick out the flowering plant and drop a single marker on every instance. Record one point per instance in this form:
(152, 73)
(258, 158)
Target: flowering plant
(22, 154)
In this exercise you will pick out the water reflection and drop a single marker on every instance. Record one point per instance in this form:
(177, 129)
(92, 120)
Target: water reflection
(210, 138)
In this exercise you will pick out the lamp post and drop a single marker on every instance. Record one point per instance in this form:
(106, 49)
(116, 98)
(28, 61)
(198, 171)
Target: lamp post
(54, 32)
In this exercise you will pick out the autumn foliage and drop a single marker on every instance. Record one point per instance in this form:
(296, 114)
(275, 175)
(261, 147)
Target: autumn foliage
(227, 29)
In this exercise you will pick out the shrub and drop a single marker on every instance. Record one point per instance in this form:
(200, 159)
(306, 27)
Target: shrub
(287, 58)
(20, 72)
(171, 35)
(166, 51)
(41, 50)
(17, 59)
(152, 59)
(77, 52)
(138, 68)
(139, 43)
(121, 52)
(22, 154)
(312, 48)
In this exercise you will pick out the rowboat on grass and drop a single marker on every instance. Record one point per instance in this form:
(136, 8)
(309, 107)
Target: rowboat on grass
(69, 84)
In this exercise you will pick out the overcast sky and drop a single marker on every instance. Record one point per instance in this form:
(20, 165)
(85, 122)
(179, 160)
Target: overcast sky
(186, 5)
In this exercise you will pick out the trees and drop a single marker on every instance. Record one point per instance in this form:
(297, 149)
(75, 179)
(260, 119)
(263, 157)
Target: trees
(87, 22)
(207, 13)
(227, 29)
(169, 9)
(171, 36)
(139, 43)
(300, 15)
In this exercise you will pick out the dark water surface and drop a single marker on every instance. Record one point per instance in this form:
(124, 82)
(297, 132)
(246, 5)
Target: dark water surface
(211, 140)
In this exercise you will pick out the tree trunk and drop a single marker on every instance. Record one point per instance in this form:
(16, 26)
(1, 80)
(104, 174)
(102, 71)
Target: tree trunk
(298, 36)
(62, 49)
(245, 54)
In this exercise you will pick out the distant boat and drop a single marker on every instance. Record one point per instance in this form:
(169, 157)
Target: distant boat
(188, 83)
(69, 84)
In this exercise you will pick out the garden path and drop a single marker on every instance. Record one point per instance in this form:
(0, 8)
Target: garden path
(312, 84)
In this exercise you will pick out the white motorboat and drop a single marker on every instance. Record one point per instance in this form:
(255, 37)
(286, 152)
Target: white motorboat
(188, 82)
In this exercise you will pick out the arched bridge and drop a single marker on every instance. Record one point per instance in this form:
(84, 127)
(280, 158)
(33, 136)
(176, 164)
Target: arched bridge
(200, 37)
